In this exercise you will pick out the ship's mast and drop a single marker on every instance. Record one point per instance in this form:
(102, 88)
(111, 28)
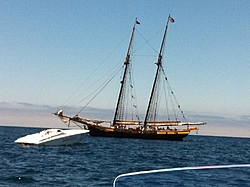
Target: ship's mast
(119, 111)
(152, 105)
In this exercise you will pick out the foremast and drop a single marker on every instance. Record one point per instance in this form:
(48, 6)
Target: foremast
(153, 101)
(119, 111)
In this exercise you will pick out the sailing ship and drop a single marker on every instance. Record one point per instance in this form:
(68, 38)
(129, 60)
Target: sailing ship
(150, 128)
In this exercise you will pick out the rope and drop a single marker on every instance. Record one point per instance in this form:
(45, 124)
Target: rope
(99, 91)
(179, 169)
(147, 41)
(176, 101)
(98, 81)
(64, 104)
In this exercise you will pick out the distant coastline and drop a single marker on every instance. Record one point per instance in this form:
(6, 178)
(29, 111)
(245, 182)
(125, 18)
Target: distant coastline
(40, 116)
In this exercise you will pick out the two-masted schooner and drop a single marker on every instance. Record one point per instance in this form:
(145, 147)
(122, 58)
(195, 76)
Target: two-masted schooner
(150, 128)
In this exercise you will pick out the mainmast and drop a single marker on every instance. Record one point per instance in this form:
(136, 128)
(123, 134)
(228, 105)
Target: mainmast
(153, 101)
(119, 111)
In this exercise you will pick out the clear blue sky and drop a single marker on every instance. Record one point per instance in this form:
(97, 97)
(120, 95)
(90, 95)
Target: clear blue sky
(48, 48)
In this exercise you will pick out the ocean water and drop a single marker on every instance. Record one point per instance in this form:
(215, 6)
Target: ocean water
(96, 161)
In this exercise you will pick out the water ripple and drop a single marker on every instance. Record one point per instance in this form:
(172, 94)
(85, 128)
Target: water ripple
(97, 161)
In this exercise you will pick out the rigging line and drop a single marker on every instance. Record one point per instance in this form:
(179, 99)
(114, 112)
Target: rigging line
(94, 71)
(166, 90)
(160, 92)
(147, 41)
(166, 103)
(90, 94)
(133, 102)
(171, 96)
(148, 55)
(135, 98)
(174, 96)
(133, 91)
(99, 91)
(169, 91)
(93, 85)
(73, 105)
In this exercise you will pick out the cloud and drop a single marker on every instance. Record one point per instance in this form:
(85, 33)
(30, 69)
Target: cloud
(245, 117)
(25, 114)
(223, 126)
(30, 115)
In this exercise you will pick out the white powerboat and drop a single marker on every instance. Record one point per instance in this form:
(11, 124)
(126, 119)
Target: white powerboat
(53, 137)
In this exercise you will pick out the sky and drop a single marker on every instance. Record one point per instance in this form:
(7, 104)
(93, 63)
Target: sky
(50, 49)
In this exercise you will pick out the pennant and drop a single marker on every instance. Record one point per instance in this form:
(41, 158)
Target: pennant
(171, 19)
(137, 22)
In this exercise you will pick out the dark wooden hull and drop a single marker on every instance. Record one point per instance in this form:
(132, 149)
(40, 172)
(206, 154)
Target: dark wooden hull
(131, 133)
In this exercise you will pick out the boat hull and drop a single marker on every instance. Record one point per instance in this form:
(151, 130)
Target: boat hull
(131, 133)
(53, 138)
(67, 140)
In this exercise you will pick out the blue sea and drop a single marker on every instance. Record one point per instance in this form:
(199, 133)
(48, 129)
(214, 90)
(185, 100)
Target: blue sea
(96, 161)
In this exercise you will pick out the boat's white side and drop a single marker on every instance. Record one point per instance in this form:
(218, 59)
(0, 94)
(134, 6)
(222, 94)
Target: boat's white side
(53, 137)
(179, 169)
